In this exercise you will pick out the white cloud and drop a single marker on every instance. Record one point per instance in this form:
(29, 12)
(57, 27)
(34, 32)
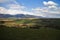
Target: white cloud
(47, 12)
(13, 11)
(13, 8)
(40, 9)
(3, 10)
(50, 4)
(17, 9)
(16, 6)
(50, 9)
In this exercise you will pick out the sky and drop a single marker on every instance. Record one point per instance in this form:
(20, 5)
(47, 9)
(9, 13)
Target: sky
(44, 8)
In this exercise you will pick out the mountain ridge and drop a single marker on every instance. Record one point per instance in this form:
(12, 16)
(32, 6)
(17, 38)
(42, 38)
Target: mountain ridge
(18, 16)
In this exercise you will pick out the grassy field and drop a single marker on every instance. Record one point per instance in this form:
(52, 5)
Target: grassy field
(38, 29)
(29, 22)
(7, 33)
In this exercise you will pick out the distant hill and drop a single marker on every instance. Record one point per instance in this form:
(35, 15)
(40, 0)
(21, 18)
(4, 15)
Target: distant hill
(18, 16)
(5, 15)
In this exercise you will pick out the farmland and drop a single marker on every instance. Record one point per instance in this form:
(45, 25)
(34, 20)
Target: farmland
(31, 22)
(30, 29)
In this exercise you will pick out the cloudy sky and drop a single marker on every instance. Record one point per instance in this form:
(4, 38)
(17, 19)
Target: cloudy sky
(44, 8)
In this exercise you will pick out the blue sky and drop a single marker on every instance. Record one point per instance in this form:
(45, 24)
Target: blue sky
(34, 3)
(31, 3)
(44, 8)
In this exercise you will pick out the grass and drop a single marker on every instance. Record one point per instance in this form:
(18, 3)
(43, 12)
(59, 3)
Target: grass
(7, 33)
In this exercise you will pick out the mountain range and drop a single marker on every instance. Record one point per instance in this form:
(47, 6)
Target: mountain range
(18, 16)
